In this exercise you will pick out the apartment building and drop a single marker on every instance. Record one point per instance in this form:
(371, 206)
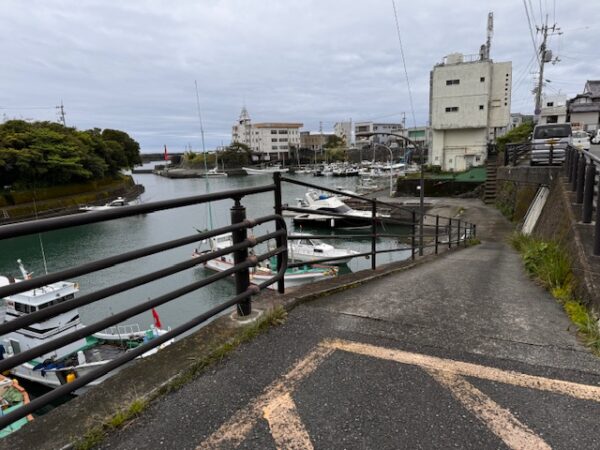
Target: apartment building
(469, 106)
(343, 130)
(554, 109)
(268, 140)
(373, 127)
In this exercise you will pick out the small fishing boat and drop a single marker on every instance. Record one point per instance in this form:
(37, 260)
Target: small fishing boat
(265, 171)
(116, 203)
(309, 249)
(12, 396)
(261, 273)
(77, 358)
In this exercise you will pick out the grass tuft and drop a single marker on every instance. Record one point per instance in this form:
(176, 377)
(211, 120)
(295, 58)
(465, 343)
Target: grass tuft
(547, 261)
(95, 435)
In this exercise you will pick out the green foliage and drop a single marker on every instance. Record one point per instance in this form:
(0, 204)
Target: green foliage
(49, 154)
(517, 134)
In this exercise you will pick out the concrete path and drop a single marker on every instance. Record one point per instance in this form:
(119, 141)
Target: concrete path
(462, 352)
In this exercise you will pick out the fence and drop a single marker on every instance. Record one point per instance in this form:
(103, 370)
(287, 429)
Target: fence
(426, 231)
(514, 153)
(582, 170)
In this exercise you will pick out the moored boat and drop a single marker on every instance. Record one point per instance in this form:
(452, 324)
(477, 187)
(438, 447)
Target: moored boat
(12, 396)
(75, 359)
(309, 249)
(265, 171)
(116, 203)
(261, 273)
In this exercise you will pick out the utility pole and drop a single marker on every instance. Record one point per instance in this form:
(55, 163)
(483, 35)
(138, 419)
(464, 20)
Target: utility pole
(545, 57)
(61, 114)
(321, 137)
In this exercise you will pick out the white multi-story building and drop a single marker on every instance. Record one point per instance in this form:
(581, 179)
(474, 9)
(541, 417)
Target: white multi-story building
(372, 127)
(344, 130)
(469, 106)
(269, 140)
(554, 109)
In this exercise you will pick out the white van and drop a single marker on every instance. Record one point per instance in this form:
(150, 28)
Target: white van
(555, 136)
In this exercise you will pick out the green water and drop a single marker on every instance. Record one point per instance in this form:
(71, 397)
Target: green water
(78, 245)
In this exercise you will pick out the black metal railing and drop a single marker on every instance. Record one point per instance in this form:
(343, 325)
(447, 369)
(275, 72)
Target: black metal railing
(516, 152)
(243, 263)
(429, 236)
(582, 170)
(425, 232)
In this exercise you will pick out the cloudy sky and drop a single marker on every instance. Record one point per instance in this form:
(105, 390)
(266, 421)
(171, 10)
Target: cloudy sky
(131, 65)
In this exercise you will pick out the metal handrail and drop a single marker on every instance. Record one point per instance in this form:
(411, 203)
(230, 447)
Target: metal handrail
(581, 169)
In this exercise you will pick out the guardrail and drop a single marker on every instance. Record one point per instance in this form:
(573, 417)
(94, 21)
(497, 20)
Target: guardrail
(452, 232)
(516, 152)
(438, 231)
(582, 170)
(240, 270)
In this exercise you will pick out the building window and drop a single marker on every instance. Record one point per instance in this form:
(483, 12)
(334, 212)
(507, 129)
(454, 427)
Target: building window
(482, 79)
(451, 82)
(273, 147)
(282, 139)
(480, 107)
(550, 104)
(273, 139)
(452, 109)
(283, 131)
(273, 131)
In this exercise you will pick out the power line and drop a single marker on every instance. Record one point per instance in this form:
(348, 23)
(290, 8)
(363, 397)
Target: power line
(412, 108)
(535, 49)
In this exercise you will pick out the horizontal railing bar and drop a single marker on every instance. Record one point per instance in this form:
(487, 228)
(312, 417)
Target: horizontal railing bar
(54, 223)
(324, 260)
(110, 261)
(65, 389)
(366, 219)
(59, 308)
(59, 342)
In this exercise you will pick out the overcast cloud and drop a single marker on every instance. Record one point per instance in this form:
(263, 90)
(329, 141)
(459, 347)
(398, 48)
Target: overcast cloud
(131, 65)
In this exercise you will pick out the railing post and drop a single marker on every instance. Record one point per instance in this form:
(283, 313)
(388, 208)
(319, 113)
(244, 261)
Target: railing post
(588, 193)
(514, 157)
(374, 234)
(467, 227)
(551, 159)
(568, 155)
(474, 230)
(506, 147)
(242, 278)
(458, 234)
(280, 241)
(580, 180)
(437, 232)
(449, 233)
(574, 170)
(412, 239)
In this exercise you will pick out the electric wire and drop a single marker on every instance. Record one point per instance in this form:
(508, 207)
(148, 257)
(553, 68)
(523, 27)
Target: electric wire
(412, 108)
(535, 49)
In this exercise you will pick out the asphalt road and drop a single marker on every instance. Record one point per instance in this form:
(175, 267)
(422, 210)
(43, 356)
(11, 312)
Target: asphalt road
(463, 352)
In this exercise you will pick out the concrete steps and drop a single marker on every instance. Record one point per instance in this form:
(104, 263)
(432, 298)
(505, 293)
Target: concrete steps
(489, 190)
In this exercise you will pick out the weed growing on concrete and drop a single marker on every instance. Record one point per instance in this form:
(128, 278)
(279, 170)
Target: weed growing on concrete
(96, 435)
(548, 262)
(473, 241)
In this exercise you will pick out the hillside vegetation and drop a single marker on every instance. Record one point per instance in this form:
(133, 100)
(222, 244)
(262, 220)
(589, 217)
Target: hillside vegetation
(50, 154)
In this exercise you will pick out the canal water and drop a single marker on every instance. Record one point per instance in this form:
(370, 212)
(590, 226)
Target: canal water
(83, 244)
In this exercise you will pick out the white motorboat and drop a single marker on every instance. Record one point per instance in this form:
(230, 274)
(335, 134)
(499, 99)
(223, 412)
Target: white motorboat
(116, 203)
(265, 171)
(330, 203)
(75, 359)
(261, 273)
(214, 173)
(309, 249)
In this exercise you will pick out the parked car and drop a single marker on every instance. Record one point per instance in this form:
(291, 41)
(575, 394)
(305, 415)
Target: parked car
(581, 139)
(596, 138)
(548, 137)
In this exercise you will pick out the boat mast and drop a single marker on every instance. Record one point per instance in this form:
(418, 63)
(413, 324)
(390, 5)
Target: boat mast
(210, 220)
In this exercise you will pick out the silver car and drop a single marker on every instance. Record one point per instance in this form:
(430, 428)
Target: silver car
(549, 142)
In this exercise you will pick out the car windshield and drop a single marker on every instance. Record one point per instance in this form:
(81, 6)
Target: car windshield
(552, 131)
(580, 135)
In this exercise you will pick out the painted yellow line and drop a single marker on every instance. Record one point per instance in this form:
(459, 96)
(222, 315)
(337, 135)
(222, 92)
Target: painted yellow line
(499, 420)
(287, 428)
(234, 431)
(576, 390)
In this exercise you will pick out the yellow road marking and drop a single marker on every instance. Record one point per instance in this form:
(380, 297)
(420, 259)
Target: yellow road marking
(287, 428)
(499, 420)
(235, 430)
(576, 390)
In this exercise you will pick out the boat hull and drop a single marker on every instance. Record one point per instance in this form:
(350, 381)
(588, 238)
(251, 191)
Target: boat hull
(319, 221)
